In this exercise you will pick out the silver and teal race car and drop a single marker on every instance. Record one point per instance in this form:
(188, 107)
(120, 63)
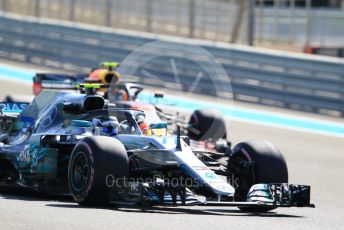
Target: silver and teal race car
(83, 145)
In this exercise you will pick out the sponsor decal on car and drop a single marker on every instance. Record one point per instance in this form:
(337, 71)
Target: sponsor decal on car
(200, 167)
(210, 175)
(12, 107)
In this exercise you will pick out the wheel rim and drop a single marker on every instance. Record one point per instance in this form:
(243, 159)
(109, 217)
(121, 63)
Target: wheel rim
(80, 171)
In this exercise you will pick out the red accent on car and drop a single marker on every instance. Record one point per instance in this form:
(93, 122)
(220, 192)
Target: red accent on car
(144, 126)
(142, 106)
(37, 88)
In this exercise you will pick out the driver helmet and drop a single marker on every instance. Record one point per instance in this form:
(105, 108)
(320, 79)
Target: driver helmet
(119, 94)
(107, 127)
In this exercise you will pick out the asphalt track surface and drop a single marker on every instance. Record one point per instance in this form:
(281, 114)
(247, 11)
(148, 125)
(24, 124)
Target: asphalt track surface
(313, 159)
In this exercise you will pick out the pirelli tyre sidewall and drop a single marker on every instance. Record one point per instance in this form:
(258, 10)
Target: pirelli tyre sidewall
(269, 167)
(93, 159)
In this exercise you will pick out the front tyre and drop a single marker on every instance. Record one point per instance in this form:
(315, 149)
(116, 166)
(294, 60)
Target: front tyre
(93, 159)
(269, 166)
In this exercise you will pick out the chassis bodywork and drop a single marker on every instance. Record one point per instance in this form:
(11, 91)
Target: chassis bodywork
(36, 145)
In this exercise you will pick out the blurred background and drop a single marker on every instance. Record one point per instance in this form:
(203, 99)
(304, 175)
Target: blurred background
(259, 43)
(312, 26)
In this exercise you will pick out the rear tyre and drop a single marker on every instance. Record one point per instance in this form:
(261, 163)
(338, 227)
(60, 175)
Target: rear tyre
(210, 124)
(93, 159)
(269, 167)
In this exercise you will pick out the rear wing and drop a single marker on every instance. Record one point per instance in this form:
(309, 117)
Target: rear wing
(73, 82)
(56, 81)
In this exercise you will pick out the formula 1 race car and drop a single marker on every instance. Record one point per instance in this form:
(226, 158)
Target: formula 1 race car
(105, 74)
(68, 143)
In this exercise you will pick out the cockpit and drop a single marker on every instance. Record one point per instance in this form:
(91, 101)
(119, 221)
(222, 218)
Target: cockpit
(112, 123)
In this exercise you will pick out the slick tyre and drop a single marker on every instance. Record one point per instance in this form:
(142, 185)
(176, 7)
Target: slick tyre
(269, 167)
(92, 160)
(208, 123)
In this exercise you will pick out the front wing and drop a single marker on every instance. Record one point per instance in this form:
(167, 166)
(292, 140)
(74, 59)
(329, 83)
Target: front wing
(260, 195)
